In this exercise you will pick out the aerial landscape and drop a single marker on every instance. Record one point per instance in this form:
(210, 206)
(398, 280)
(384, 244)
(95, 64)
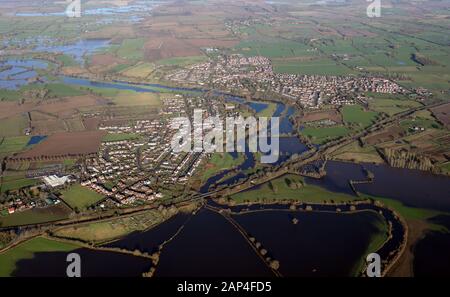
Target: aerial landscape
(209, 138)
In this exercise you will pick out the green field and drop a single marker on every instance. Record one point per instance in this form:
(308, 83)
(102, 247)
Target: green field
(80, 197)
(112, 229)
(321, 135)
(16, 183)
(62, 90)
(181, 61)
(420, 122)
(55, 89)
(356, 115)
(67, 60)
(36, 216)
(445, 168)
(290, 187)
(140, 70)
(219, 162)
(110, 137)
(132, 98)
(9, 95)
(13, 144)
(13, 126)
(120, 67)
(322, 66)
(392, 106)
(273, 48)
(353, 152)
(27, 250)
(132, 49)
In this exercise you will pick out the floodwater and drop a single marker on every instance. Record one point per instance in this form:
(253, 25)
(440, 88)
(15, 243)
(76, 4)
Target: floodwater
(149, 241)
(93, 264)
(411, 187)
(137, 7)
(17, 72)
(35, 140)
(77, 50)
(320, 244)
(432, 253)
(209, 246)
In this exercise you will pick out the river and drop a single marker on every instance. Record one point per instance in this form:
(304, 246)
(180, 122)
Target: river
(208, 245)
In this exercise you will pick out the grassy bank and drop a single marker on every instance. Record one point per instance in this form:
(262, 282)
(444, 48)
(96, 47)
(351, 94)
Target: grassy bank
(115, 228)
(290, 187)
(27, 250)
(219, 162)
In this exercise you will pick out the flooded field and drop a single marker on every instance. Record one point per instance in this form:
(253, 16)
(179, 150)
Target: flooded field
(412, 187)
(320, 244)
(78, 50)
(15, 73)
(94, 264)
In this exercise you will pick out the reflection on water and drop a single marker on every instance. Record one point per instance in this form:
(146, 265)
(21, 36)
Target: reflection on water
(320, 244)
(412, 187)
(209, 246)
(431, 254)
(149, 241)
(93, 264)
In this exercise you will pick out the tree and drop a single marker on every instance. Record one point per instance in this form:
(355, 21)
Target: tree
(274, 264)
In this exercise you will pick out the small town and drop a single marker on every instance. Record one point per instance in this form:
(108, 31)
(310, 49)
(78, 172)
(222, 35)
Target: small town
(255, 75)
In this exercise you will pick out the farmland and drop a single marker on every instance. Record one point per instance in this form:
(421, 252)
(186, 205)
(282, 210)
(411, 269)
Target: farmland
(392, 106)
(141, 70)
(13, 144)
(332, 115)
(355, 114)
(131, 49)
(112, 229)
(355, 153)
(119, 137)
(323, 134)
(65, 144)
(442, 114)
(388, 134)
(36, 216)
(314, 67)
(130, 98)
(15, 182)
(181, 61)
(13, 126)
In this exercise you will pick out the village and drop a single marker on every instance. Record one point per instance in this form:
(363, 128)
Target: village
(128, 171)
(255, 74)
